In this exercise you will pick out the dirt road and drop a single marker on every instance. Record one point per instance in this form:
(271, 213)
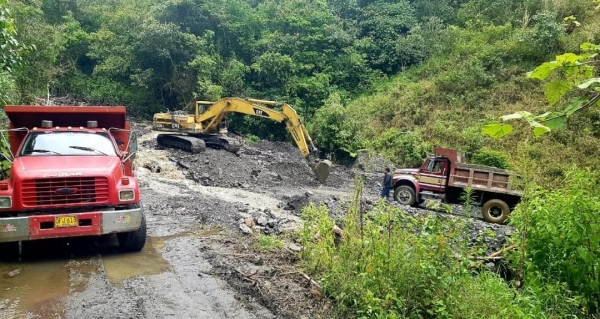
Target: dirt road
(197, 263)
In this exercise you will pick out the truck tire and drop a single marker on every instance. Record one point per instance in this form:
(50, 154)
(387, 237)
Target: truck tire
(133, 240)
(495, 211)
(405, 195)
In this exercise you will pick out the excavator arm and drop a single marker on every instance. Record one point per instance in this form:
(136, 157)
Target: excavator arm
(216, 111)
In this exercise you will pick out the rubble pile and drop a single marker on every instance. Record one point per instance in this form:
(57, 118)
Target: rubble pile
(263, 221)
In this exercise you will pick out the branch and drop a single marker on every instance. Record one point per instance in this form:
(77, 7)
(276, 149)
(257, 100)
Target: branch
(585, 106)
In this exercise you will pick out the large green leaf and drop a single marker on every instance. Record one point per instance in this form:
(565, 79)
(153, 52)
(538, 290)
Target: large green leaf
(574, 106)
(555, 90)
(517, 115)
(587, 46)
(544, 70)
(556, 122)
(539, 129)
(568, 58)
(497, 130)
(589, 82)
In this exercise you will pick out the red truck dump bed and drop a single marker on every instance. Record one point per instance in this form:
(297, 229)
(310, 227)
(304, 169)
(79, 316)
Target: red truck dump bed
(31, 116)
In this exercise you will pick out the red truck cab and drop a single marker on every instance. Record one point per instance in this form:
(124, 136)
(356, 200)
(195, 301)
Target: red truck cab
(70, 175)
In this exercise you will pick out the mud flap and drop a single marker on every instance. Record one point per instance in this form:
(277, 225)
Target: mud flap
(322, 170)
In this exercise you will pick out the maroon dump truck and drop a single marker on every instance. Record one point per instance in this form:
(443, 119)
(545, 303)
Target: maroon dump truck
(446, 175)
(70, 175)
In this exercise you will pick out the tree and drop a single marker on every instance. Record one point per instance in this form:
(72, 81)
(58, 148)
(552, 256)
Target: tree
(9, 52)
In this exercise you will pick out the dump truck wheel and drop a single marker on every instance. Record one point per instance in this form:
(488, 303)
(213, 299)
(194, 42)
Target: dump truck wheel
(134, 240)
(495, 211)
(405, 195)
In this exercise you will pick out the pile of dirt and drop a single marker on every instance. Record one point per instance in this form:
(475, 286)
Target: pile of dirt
(271, 277)
(256, 166)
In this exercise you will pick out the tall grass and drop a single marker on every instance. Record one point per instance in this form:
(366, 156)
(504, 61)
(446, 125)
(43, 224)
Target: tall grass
(389, 264)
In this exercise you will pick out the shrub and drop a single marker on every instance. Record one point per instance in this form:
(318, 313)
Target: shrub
(490, 158)
(560, 236)
(405, 148)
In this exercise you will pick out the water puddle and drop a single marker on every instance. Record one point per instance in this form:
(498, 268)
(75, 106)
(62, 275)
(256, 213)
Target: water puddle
(36, 288)
(198, 231)
(120, 266)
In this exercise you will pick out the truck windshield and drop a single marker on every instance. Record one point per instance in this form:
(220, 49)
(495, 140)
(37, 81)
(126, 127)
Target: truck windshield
(68, 143)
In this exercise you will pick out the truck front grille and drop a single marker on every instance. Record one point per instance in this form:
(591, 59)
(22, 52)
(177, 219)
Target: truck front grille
(64, 191)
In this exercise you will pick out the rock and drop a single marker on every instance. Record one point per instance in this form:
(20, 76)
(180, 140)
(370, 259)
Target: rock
(308, 194)
(14, 272)
(277, 177)
(295, 248)
(338, 231)
(245, 229)
(262, 221)
(153, 166)
(245, 215)
(271, 223)
(248, 222)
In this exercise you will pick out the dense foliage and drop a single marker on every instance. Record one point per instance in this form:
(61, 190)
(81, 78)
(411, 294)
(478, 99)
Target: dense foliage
(388, 264)
(559, 238)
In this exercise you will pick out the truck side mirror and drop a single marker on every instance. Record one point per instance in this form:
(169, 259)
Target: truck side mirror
(6, 157)
(133, 146)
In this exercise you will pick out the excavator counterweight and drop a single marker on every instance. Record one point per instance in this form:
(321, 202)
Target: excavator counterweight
(195, 132)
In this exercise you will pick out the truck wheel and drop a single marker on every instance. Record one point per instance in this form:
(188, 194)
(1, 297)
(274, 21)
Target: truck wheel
(133, 240)
(405, 195)
(495, 211)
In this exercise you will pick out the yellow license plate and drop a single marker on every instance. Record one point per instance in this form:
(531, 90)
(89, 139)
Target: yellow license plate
(65, 221)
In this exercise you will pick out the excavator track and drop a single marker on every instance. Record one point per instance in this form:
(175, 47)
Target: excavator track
(184, 142)
(227, 143)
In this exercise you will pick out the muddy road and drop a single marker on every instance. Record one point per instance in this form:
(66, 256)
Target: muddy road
(199, 260)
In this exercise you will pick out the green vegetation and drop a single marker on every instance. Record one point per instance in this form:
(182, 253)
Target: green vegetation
(268, 243)
(391, 265)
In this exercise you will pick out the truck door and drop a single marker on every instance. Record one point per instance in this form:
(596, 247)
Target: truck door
(434, 174)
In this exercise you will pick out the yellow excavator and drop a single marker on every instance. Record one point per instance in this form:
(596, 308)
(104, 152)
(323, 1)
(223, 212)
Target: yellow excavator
(205, 128)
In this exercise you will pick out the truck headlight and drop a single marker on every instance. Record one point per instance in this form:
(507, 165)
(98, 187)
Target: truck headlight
(126, 195)
(5, 202)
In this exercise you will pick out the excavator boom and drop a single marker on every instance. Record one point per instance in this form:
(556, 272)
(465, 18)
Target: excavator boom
(202, 128)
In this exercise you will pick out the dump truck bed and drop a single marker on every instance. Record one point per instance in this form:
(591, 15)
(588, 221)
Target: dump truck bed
(482, 177)
(30, 116)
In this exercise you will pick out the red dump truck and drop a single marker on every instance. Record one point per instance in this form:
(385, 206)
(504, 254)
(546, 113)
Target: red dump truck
(446, 175)
(70, 175)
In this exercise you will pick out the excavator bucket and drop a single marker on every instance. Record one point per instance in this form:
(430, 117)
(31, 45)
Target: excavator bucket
(322, 170)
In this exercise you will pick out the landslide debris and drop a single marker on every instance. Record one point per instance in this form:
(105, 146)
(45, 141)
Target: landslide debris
(262, 189)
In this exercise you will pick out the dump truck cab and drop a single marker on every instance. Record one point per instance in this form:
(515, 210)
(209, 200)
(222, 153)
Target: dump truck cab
(70, 175)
